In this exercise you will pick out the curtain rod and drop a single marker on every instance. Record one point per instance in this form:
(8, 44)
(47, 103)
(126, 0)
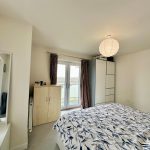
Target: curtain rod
(68, 55)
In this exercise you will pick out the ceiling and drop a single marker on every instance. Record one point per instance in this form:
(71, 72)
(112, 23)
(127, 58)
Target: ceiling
(80, 25)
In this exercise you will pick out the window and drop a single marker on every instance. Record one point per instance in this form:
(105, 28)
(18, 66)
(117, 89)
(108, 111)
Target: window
(68, 76)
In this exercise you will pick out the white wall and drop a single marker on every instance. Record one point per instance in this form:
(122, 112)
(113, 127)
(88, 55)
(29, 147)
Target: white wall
(16, 37)
(39, 65)
(133, 80)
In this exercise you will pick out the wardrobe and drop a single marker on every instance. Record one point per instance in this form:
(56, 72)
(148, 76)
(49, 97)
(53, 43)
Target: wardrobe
(46, 104)
(102, 81)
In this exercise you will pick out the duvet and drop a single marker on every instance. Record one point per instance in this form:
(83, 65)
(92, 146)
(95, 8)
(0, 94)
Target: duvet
(105, 127)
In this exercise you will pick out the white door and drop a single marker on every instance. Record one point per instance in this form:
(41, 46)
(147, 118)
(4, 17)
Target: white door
(100, 81)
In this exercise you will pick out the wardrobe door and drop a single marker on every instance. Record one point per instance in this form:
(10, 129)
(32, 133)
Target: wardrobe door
(110, 91)
(110, 68)
(100, 81)
(54, 103)
(109, 98)
(40, 106)
(110, 81)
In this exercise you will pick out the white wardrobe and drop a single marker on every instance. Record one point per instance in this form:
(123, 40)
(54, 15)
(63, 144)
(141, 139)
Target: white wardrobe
(102, 81)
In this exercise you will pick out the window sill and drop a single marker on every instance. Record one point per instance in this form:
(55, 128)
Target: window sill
(71, 107)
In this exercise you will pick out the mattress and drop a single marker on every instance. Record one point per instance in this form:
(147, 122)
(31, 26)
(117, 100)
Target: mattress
(105, 127)
(59, 141)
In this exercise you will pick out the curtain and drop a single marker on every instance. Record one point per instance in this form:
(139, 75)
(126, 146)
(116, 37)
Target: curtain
(53, 68)
(85, 89)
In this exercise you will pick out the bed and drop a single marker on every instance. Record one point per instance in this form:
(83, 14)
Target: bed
(104, 127)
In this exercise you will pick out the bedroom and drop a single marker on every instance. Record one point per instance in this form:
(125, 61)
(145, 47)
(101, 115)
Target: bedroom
(30, 31)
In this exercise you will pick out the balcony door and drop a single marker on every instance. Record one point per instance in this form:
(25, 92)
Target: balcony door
(68, 76)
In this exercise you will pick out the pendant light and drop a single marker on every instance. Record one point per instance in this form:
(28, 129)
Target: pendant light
(109, 47)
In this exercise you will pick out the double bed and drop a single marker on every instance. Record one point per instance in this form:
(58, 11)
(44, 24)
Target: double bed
(104, 127)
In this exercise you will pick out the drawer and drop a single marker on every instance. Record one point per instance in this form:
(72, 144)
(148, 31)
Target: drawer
(99, 100)
(110, 91)
(110, 67)
(110, 98)
(110, 81)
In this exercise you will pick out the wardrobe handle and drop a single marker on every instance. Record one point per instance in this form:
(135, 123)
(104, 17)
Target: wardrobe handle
(49, 99)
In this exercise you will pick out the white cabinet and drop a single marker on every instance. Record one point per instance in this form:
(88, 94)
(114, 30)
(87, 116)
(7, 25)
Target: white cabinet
(102, 81)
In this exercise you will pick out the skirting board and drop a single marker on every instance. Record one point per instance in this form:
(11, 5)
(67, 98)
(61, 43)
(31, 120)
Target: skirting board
(20, 147)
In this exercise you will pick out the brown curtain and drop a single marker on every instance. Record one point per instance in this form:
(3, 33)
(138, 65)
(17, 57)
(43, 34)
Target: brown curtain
(85, 89)
(53, 68)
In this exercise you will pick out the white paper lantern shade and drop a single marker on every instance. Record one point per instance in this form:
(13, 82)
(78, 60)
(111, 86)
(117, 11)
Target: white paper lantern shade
(109, 47)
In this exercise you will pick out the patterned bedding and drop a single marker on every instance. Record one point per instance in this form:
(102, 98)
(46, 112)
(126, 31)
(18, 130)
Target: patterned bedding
(105, 127)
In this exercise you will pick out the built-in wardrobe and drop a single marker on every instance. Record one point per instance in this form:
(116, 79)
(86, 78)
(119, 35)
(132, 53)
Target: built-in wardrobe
(102, 81)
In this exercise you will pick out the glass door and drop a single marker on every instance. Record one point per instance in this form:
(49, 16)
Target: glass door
(61, 80)
(74, 88)
(68, 76)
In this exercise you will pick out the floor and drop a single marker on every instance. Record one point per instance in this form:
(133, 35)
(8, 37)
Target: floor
(43, 137)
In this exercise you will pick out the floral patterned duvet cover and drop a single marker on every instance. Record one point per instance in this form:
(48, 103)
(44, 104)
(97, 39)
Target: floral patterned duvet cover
(105, 127)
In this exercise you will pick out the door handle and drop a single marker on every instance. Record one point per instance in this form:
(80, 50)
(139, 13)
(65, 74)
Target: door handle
(49, 99)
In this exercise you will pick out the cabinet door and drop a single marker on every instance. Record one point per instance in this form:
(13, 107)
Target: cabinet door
(110, 81)
(40, 106)
(109, 98)
(110, 67)
(54, 103)
(110, 92)
(100, 81)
